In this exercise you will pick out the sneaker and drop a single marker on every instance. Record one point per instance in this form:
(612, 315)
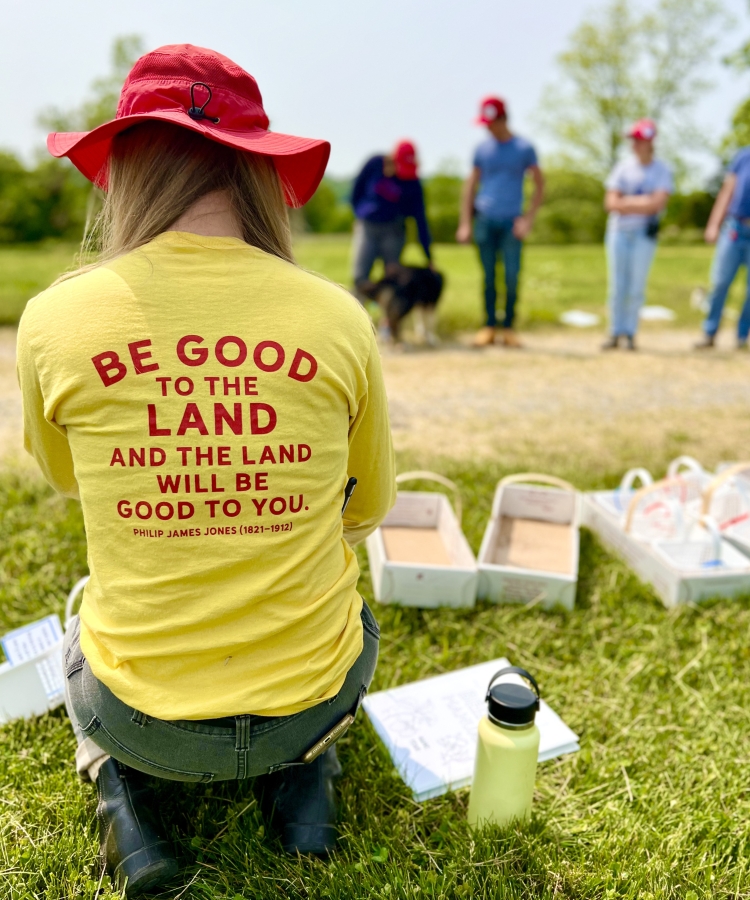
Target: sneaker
(485, 336)
(511, 339)
(612, 343)
(705, 343)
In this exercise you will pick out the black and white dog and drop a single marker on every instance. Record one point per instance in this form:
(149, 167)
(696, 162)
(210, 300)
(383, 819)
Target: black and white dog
(409, 288)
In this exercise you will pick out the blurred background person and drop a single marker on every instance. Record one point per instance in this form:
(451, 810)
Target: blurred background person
(729, 228)
(493, 199)
(638, 189)
(385, 194)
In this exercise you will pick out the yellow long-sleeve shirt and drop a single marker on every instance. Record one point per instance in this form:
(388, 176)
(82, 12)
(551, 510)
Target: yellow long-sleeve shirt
(207, 402)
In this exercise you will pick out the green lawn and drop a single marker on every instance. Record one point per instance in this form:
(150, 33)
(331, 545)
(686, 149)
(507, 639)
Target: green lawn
(656, 804)
(554, 278)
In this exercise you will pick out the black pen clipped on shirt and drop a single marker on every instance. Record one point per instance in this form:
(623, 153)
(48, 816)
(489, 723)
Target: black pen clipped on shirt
(348, 491)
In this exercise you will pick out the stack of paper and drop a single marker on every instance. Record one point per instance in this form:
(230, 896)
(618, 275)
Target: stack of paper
(31, 681)
(430, 728)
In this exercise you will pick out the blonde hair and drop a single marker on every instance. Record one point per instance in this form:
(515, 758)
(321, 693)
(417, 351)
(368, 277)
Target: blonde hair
(158, 170)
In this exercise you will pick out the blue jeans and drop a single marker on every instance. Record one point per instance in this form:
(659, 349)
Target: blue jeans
(376, 240)
(493, 239)
(204, 750)
(732, 251)
(629, 258)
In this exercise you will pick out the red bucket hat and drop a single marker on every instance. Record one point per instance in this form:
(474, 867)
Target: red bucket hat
(204, 91)
(405, 160)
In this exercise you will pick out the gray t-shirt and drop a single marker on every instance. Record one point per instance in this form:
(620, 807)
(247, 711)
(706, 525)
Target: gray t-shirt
(632, 178)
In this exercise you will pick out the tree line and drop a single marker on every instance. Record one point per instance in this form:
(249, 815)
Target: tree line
(621, 63)
(51, 200)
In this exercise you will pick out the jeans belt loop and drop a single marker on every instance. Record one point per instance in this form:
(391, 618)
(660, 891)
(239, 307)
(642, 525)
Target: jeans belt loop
(139, 718)
(242, 743)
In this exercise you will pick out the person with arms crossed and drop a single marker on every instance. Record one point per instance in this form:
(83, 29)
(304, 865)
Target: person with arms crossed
(493, 199)
(206, 400)
(637, 191)
(385, 193)
(729, 228)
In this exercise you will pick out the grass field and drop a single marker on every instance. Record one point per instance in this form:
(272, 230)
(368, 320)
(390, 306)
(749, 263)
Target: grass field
(554, 278)
(655, 805)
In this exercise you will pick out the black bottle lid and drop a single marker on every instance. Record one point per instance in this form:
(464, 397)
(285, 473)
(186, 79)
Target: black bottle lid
(510, 704)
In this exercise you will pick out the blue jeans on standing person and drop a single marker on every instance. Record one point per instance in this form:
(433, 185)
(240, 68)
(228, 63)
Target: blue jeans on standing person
(377, 240)
(732, 251)
(629, 257)
(494, 239)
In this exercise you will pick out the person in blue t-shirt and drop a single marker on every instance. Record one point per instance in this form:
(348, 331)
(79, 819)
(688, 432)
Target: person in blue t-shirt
(385, 193)
(637, 191)
(493, 198)
(729, 228)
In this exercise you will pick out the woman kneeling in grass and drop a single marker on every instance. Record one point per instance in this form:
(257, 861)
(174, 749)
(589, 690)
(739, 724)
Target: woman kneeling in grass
(206, 400)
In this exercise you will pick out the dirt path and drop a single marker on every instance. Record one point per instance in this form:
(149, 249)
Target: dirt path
(560, 403)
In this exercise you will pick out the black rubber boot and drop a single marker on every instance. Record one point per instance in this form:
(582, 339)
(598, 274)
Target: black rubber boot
(630, 342)
(135, 856)
(301, 801)
(612, 343)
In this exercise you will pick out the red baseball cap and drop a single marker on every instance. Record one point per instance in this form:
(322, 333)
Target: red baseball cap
(490, 108)
(405, 160)
(205, 92)
(643, 130)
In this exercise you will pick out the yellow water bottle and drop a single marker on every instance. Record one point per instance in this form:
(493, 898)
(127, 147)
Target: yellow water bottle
(507, 752)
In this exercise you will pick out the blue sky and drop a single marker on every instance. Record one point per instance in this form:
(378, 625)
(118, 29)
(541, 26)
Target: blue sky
(360, 74)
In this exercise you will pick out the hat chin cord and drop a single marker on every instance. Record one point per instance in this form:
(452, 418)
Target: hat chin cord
(197, 112)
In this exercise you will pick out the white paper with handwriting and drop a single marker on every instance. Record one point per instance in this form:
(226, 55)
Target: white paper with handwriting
(430, 728)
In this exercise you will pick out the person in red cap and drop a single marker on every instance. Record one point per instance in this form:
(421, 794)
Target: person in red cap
(386, 192)
(728, 227)
(206, 400)
(638, 189)
(493, 202)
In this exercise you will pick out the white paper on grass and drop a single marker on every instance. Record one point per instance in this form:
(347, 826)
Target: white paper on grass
(39, 641)
(34, 639)
(579, 319)
(656, 314)
(430, 728)
(50, 672)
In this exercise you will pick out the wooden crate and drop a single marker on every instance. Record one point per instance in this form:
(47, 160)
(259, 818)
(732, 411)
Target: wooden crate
(530, 548)
(419, 555)
(727, 500)
(685, 560)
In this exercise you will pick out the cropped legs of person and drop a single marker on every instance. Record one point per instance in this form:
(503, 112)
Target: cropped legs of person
(641, 256)
(119, 747)
(373, 241)
(488, 238)
(629, 258)
(743, 323)
(494, 239)
(511, 249)
(732, 251)
(618, 270)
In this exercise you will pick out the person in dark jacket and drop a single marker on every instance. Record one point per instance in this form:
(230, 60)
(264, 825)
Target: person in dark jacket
(385, 193)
